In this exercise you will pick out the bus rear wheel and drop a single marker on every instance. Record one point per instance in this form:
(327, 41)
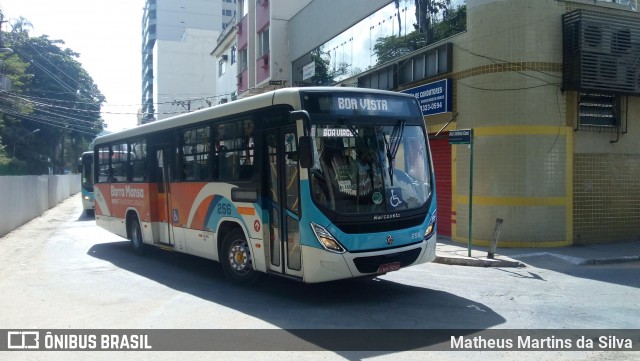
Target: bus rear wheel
(236, 258)
(135, 234)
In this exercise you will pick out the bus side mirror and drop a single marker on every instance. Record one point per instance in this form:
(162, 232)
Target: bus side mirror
(305, 151)
(305, 144)
(294, 116)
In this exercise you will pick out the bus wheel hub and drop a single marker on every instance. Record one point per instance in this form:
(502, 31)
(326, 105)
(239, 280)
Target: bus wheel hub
(238, 257)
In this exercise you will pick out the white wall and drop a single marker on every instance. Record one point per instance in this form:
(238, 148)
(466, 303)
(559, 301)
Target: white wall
(174, 16)
(185, 71)
(227, 83)
(279, 52)
(27, 197)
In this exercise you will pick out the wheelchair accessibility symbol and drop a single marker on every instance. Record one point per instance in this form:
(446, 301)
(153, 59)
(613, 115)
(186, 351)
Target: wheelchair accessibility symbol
(394, 197)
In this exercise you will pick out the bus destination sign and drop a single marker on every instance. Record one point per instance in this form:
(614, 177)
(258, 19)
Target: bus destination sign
(350, 103)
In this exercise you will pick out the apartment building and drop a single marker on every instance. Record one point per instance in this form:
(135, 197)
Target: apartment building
(177, 75)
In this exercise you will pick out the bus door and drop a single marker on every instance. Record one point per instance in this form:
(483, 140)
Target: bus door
(164, 207)
(283, 201)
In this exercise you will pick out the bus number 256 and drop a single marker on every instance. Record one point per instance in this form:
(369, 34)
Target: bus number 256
(224, 208)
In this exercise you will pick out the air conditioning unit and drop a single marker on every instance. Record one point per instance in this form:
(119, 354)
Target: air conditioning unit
(593, 37)
(225, 57)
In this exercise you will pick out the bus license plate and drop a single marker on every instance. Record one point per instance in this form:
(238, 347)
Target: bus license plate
(389, 267)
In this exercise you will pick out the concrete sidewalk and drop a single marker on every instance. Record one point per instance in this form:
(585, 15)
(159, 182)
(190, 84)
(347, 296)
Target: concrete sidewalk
(454, 253)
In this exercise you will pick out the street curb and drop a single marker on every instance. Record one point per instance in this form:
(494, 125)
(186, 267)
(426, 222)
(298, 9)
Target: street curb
(478, 262)
(584, 261)
(610, 260)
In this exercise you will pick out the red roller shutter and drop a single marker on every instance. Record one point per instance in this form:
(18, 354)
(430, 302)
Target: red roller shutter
(441, 153)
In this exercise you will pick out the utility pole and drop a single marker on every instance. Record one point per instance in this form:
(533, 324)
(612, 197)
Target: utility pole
(186, 105)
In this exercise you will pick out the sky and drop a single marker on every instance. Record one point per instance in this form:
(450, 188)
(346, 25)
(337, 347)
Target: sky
(106, 34)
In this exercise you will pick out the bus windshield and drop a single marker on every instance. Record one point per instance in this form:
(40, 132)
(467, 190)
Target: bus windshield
(87, 171)
(363, 168)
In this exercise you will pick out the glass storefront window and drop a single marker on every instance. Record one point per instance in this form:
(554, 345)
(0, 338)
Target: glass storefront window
(354, 50)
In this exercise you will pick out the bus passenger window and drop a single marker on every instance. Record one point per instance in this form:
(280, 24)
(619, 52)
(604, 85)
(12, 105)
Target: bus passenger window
(137, 160)
(103, 165)
(195, 154)
(246, 159)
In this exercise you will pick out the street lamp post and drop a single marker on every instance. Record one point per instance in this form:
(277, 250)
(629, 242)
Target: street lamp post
(20, 138)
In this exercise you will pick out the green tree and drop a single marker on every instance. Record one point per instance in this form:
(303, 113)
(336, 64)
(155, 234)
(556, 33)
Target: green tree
(426, 12)
(391, 47)
(452, 21)
(53, 93)
(324, 75)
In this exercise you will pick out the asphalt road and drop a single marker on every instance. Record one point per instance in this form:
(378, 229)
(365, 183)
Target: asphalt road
(61, 271)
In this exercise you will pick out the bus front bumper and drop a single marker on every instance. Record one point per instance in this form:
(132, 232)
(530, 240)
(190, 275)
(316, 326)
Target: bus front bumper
(320, 265)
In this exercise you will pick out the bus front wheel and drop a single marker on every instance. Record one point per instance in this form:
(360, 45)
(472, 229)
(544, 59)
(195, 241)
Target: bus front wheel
(236, 259)
(135, 234)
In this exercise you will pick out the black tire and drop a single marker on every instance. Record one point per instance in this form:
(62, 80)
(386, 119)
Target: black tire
(135, 234)
(236, 259)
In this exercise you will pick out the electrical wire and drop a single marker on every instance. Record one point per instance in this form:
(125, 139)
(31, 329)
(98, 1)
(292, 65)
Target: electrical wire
(68, 127)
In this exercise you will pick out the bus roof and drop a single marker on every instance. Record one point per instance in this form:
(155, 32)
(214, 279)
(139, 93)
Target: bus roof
(289, 96)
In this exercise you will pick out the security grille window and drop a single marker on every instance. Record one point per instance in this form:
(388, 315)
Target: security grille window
(195, 154)
(138, 158)
(598, 111)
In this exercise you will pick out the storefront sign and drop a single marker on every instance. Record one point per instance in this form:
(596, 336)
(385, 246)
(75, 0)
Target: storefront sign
(309, 70)
(434, 98)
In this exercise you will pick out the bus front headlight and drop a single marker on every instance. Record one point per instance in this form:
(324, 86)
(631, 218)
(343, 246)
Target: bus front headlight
(431, 228)
(328, 241)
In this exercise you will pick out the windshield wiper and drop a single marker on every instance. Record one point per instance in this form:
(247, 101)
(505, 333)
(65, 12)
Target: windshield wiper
(392, 148)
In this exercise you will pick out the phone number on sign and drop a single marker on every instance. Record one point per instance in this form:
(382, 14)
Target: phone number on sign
(432, 106)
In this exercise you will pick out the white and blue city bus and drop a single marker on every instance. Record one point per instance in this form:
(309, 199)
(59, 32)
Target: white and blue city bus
(86, 183)
(315, 184)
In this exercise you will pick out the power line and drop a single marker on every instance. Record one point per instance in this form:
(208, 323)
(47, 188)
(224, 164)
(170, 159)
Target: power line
(60, 70)
(47, 72)
(50, 122)
(53, 105)
(495, 60)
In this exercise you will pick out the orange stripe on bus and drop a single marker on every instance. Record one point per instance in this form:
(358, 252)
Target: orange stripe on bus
(247, 211)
